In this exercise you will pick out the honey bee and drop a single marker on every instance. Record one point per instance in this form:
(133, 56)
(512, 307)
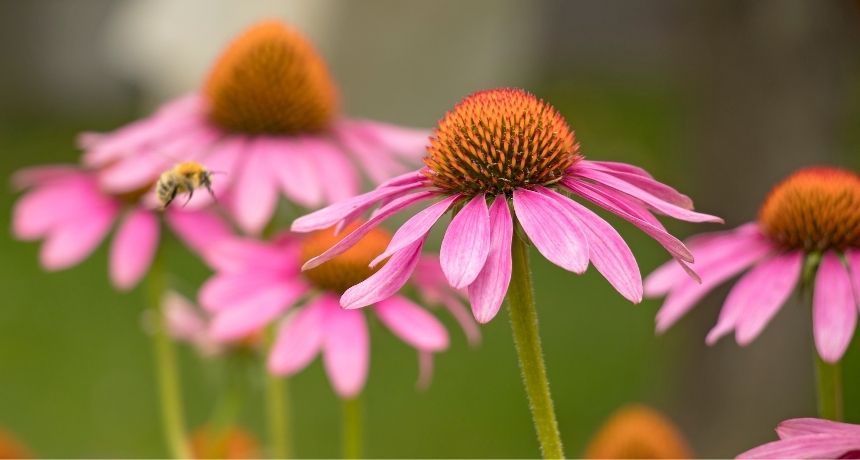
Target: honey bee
(182, 178)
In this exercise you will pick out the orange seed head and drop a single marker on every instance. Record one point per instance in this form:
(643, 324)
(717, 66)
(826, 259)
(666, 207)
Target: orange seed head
(498, 140)
(347, 269)
(271, 80)
(814, 209)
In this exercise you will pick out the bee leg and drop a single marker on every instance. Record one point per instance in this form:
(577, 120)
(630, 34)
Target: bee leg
(169, 200)
(211, 193)
(190, 195)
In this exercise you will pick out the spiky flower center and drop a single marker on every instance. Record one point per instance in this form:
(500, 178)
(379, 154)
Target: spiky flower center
(814, 209)
(271, 80)
(498, 140)
(347, 269)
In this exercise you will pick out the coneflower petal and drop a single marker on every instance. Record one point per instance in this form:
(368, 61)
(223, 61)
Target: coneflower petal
(466, 243)
(834, 310)
(412, 324)
(756, 298)
(487, 292)
(555, 231)
(255, 192)
(300, 338)
(346, 350)
(133, 248)
(385, 282)
(256, 311)
(415, 228)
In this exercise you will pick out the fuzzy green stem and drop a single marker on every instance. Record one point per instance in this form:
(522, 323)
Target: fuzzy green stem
(352, 429)
(169, 389)
(278, 416)
(829, 380)
(524, 323)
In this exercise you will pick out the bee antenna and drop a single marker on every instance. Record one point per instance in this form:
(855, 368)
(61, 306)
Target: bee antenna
(217, 172)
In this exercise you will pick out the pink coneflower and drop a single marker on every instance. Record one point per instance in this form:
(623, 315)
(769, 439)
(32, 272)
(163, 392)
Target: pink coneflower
(812, 216)
(809, 438)
(268, 117)
(497, 150)
(257, 283)
(66, 207)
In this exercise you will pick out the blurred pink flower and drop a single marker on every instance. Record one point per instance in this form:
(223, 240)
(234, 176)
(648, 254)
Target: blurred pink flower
(186, 323)
(498, 146)
(66, 208)
(815, 210)
(256, 283)
(267, 118)
(809, 438)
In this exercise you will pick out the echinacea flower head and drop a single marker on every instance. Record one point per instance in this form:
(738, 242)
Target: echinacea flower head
(811, 219)
(810, 438)
(230, 442)
(499, 158)
(66, 207)
(10, 447)
(268, 118)
(258, 283)
(638, 431)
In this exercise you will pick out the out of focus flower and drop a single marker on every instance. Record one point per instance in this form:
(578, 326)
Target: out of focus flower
(257, 283)
(814, 213)
(66, 208)
(802, 438)
(495, 149)
(11, 447)
(268, 117)
(638, 431)
(227, 443)
(187, 323)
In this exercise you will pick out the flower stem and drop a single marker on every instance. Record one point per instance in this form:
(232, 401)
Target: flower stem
(352, 429)
(829, 380)
(277, 414)
(165, 362)
(524, 323)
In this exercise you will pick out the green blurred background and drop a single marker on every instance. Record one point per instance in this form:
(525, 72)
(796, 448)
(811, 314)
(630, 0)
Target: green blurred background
(720, 99)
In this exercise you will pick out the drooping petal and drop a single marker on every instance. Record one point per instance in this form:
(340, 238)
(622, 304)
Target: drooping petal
(255, 192)
(42, 175)
(553, 229)
(339, 177)
(225, 290)
(810, 446)
(40, 210)
(346, 350)
(350, 240)
(263, 306)
(487, 292)
(408, 143)
(300, 338)
(681, 299)
(413, 324)
(795, 427)
(375, 158)
(606, 249)
(385, 282)
(133, 248)
(425, 370)
(646, 183)
(238, 254)
(294, 168)
(415, 228)
(200, 230)
(834, 310)
(607, 181)
(616, 166)
(757, 296)
(331, 215)
(75, 239)
(853, 258)
(466, 243)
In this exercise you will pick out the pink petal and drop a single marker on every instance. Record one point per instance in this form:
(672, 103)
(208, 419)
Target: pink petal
(385, 282)
(201, 230)
(553, 229)
(604, 181)
(647, 184)
(346, 350)
(804, 426)
(133, 172)
(75, 239)
(606, 249)
(232, 290)
(757, 296)
(350, 240)
(338, 176)
(487, 292)
(375, 159)
(238, 322)
(42, 175)
(221, 161)
(300, 338)
(409, 143)
(615, 166)
(333, 214)
(413, 324)
(810, 446)
(834, 310)
(293, 167)
(425, 370)
(256, 192)
(133, 248)
(415, 228)
(182, 319)
(853, 258)
(49, 206)
(466, 243)
(615, 205)
(411, 177)
(731, 262)
(464, 319)
(239, 254)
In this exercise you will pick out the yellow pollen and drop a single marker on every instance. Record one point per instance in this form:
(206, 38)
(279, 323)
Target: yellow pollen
(271, 80)
(637, 431)
(498, 140)
(347, 269)
(814, 209)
